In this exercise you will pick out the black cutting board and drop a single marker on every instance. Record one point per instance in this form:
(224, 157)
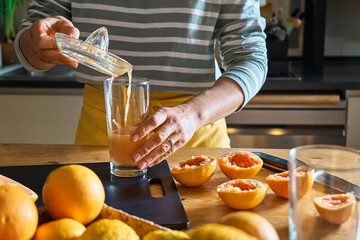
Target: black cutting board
(131, 195)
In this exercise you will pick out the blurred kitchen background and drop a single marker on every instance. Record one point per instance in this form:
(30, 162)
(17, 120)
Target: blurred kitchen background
(311, 95)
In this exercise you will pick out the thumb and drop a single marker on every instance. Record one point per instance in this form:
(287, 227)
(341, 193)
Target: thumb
(65, 26)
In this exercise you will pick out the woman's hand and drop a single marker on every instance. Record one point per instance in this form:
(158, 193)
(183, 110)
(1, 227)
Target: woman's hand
(172, 127)
(38, 43)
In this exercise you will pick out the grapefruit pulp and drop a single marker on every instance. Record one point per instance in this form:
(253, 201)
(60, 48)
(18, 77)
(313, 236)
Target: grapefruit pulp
(240, 164)
(279, 182)
(335, 208)
(242, 194)
(194, 171)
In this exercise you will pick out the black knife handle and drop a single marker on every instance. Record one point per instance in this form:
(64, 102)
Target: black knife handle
(273, 163)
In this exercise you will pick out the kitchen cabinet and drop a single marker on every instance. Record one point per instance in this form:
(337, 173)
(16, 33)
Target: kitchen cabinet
(353, 119)
(289, 120)
(43, 116)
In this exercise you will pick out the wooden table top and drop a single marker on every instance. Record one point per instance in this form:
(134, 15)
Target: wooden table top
(202, 204)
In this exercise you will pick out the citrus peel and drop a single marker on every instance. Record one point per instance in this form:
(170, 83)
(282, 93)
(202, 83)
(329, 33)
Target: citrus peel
(279, 182)
(240, 164)
(18, 214)
(251, 223)
(73, 191)
(212, 231)
(61, 229)
(242, 194)
(194, 171)
(8, 181)
(335, 208)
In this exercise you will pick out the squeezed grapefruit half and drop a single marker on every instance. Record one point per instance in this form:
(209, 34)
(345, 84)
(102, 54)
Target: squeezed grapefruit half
(194, 171)
(242, 194)
(8, 181)
(240, 164)
(335, 208)
(279, 182)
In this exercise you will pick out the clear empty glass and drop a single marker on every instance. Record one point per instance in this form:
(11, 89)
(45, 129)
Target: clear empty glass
(328, 209)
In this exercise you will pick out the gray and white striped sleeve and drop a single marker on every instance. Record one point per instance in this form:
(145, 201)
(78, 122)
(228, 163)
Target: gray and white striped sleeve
(38, 10)
(242, 44)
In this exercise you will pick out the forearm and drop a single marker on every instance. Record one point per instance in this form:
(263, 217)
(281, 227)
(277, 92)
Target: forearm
(224, 98)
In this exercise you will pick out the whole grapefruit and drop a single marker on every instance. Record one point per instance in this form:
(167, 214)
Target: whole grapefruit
(18, 214)
(73, 191)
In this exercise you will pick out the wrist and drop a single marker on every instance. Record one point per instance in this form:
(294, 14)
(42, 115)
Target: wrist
(196, 113)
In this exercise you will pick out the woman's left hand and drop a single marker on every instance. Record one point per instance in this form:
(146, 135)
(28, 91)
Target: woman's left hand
(172, 127)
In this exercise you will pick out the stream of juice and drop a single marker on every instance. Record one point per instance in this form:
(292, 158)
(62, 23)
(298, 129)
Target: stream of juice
(120, 145)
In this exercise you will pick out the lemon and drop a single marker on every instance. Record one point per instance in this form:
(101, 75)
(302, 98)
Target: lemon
(214, 231)
(109, 229)
(252, 223)
(166, 235)
(62, 229)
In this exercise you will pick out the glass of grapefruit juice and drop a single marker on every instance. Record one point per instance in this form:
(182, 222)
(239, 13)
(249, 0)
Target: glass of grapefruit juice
(126, 105)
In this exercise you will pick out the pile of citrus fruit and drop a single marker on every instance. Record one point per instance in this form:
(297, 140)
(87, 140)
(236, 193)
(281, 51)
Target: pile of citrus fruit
(73, 196)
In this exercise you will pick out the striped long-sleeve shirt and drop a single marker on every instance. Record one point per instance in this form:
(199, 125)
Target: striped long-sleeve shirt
(171, 42)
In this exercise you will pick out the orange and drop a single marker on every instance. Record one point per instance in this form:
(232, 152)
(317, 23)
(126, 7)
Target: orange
(109, 229)
(240, 164)
(279, 182)
(8, 181)
(62, 229)
(18, 214)
(194, 171)
(335, 208)
(251, 223)
(242, 194)
(73, 191)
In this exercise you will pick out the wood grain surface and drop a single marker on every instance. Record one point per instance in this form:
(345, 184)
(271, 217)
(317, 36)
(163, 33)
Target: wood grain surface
(202, 204)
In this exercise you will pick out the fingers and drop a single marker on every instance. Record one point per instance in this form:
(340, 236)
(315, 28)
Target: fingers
(55, 57)
(176, 124)
(65, 26)
(43, 42)
(150, 124)
(160, 153)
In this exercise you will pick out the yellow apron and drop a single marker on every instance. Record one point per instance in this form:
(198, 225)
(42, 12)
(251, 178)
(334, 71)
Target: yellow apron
(92, 123)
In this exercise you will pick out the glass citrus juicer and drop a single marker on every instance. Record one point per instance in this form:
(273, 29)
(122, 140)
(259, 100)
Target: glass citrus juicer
(93, 52)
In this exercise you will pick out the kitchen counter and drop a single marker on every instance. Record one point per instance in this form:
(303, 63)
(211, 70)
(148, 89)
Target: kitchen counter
(202, 204)
(338, 75)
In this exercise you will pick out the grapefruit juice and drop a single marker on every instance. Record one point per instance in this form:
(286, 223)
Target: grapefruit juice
(121, 148)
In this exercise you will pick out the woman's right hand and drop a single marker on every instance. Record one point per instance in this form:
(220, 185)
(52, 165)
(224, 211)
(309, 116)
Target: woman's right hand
(38, 43)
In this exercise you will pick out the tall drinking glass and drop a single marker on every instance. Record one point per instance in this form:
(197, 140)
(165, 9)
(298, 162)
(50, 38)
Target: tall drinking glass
(126, 105)
(324, 192)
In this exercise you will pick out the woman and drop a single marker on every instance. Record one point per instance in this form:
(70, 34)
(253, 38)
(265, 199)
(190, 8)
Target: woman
(172, 44)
